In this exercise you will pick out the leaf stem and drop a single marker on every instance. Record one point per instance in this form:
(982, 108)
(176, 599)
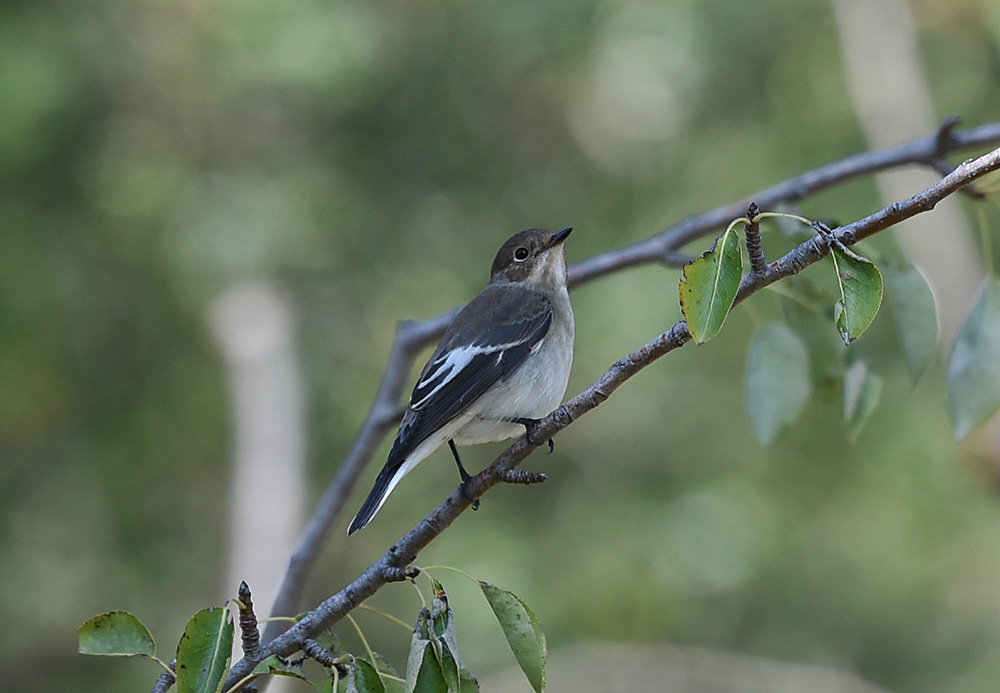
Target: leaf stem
(364, 640)
(386, 615)
(166, 667)
(454, 570)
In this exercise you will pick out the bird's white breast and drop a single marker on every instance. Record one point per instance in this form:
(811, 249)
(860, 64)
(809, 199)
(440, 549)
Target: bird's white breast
(532, 391)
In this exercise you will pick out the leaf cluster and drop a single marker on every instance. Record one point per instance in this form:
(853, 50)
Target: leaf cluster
(787, 361)
(433, 664)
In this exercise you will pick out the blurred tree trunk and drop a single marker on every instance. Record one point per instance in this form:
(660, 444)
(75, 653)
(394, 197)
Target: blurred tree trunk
(886, 81)
(254, 329)
(890, 94)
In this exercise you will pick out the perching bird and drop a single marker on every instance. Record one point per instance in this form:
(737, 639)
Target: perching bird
(502, 364)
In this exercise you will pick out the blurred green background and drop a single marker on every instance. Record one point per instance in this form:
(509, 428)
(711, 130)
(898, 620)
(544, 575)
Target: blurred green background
(368, 159)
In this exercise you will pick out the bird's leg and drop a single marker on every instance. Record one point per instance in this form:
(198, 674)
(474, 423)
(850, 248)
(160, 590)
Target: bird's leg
(465, 475)
(529, 427)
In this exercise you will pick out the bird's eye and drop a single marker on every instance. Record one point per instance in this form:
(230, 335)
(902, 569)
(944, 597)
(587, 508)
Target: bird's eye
(521, 254)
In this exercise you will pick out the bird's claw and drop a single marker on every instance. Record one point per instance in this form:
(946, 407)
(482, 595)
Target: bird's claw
(529, 426)
(468, 496)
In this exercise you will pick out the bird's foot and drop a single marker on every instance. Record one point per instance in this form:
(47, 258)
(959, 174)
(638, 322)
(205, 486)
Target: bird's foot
(468, 496)
(529, 432)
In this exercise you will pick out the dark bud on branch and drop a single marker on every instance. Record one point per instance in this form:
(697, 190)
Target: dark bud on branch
(755, 248)
(249, 634)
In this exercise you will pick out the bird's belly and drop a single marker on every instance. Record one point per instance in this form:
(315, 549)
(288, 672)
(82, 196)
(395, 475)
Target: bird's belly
(528, 394)
(486, 431)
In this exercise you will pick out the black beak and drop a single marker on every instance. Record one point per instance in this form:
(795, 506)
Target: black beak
(559, 237)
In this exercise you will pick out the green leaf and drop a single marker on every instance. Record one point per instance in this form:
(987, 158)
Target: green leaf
(860, 292)
(115, 634)
(394, 685)
(522, 630)
(273, 666)
(862, 391)
(363, 678)
(441, 621)
(974, 364)
(269, 665)
(467, 682)
(329, 641)
(440, 611)
(708, 286)
(777, 380)
(915, 317)
(204, 650)
(445, 643)
(423, 673)
(390, 679)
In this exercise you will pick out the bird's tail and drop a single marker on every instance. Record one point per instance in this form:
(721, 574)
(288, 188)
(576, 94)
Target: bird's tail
(386, 481)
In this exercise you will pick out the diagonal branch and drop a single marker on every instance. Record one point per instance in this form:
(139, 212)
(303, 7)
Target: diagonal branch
(411, 337)
(664, 247)
(391, 565)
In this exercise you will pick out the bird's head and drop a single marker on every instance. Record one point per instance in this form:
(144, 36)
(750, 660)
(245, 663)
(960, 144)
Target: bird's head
(534, 257)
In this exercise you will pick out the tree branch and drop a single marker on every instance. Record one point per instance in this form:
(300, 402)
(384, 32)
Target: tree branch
(411, 337)
(391, 565)
(926, 151)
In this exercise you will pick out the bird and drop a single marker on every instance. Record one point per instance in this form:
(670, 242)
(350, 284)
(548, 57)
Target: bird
(501, 365)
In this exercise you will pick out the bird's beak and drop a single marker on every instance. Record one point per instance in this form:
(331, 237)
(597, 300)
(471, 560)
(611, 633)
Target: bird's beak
(558, 237)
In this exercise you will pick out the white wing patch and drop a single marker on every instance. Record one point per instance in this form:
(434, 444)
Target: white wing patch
(447, 366)
(444, 369)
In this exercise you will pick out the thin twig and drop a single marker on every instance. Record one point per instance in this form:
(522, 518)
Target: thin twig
(165, 680)
(920, 151)
(404, 552)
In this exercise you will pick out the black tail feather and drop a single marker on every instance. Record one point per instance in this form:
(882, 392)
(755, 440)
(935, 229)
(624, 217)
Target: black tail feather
(374, 500)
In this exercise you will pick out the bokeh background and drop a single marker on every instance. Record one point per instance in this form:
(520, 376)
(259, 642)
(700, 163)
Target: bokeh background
(364, 160)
